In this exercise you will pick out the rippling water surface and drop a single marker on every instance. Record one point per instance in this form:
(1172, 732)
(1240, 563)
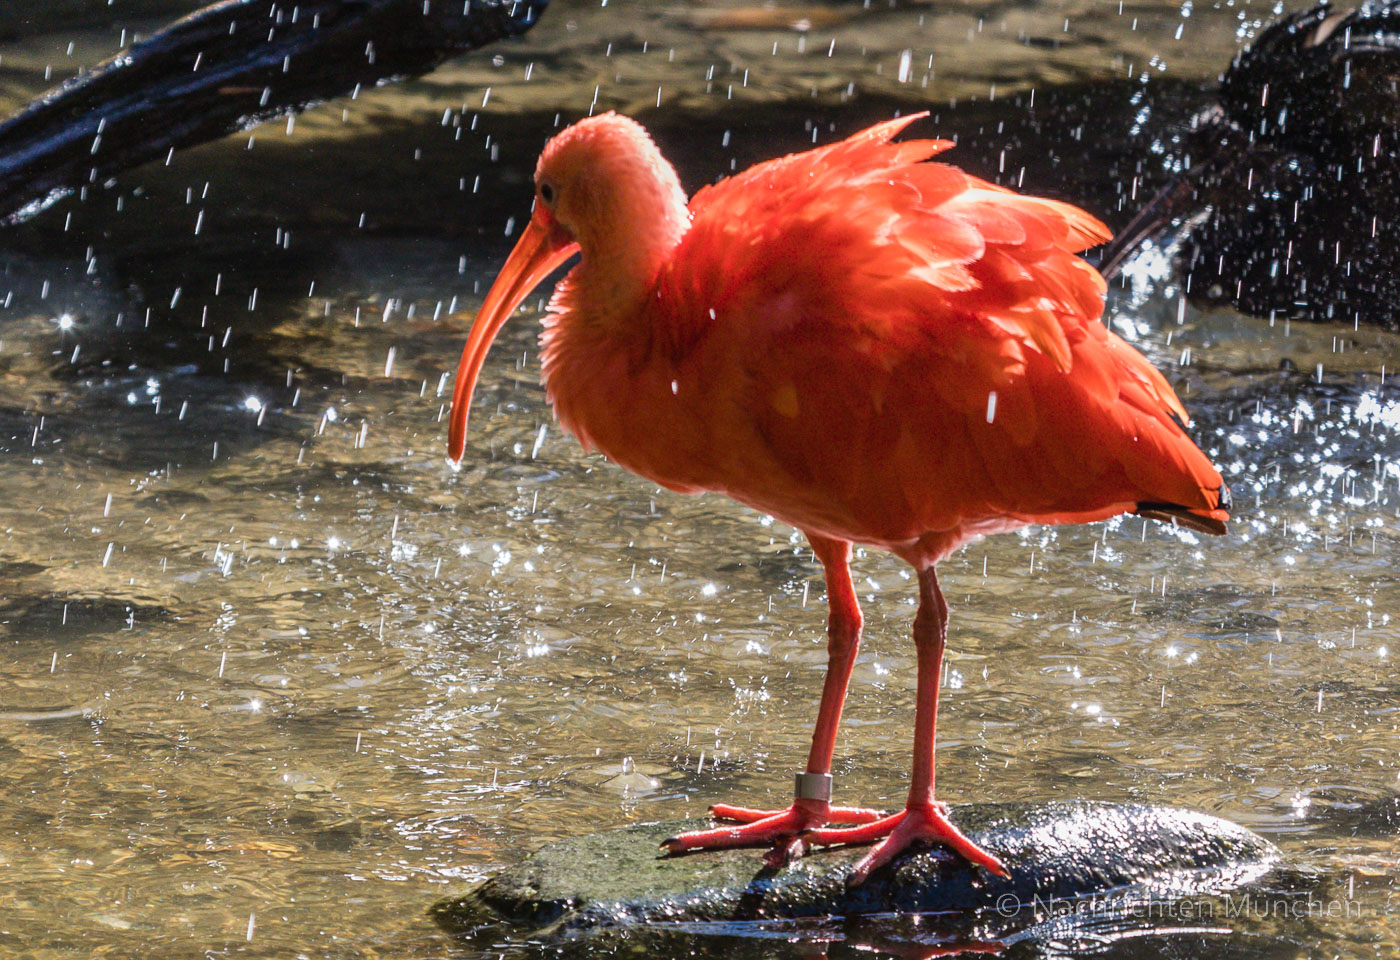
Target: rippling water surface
(274, 677)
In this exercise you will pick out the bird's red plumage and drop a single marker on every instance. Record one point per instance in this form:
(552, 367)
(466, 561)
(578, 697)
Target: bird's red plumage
(824, 342)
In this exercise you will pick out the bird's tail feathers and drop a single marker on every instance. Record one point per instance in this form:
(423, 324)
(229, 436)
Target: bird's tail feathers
(1211, 521)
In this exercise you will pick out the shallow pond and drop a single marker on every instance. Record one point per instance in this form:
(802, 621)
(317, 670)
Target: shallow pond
(274, 676)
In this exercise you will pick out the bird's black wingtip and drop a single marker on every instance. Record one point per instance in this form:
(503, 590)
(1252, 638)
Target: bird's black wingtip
(1182, 516)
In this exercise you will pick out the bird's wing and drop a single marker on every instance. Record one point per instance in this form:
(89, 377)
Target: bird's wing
(921, 239)
(861, 306)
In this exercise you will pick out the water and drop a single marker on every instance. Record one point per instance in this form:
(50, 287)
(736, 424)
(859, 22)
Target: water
(275, 676)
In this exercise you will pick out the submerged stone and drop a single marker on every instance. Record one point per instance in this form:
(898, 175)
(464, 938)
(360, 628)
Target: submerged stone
(1098, 860)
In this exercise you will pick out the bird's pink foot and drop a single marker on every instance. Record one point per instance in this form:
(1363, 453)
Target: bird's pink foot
(785, 830)
(852, 815)
(926, 822)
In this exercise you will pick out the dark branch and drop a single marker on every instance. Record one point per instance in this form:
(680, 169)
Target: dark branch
(225, 68)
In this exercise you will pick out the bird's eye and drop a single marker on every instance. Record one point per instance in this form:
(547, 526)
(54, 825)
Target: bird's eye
(547, 193)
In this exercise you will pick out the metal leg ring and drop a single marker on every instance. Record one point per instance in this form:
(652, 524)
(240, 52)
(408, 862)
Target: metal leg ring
(814, 786)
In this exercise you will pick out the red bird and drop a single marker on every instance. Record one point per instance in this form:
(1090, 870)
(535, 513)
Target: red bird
(871, 348)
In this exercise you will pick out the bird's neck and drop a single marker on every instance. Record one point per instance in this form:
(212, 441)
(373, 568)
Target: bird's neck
(603, 331)
(617, 272)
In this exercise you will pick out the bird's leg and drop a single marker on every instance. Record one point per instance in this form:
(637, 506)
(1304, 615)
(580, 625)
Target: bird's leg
(811, 807)
(844, 622)
(923, 818)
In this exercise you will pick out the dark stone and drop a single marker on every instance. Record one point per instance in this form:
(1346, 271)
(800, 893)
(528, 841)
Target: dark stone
(1111, 857)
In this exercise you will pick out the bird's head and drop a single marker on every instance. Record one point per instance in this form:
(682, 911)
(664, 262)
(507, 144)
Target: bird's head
(601, 187)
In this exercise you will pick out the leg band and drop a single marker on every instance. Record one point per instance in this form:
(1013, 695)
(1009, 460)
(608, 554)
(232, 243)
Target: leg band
(814, 786)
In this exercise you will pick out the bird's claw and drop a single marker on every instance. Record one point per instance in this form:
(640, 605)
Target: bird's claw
(783, 854)
(927, 823)
(788, 829)
(802, 826)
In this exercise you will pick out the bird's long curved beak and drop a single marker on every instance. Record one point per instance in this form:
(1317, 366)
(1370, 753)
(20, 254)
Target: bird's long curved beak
(540, 251)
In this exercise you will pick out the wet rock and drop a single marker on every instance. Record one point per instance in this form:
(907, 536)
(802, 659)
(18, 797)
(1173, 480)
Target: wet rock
(1111, 856)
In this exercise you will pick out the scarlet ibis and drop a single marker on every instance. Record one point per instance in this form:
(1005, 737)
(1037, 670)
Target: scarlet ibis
(871, 348)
